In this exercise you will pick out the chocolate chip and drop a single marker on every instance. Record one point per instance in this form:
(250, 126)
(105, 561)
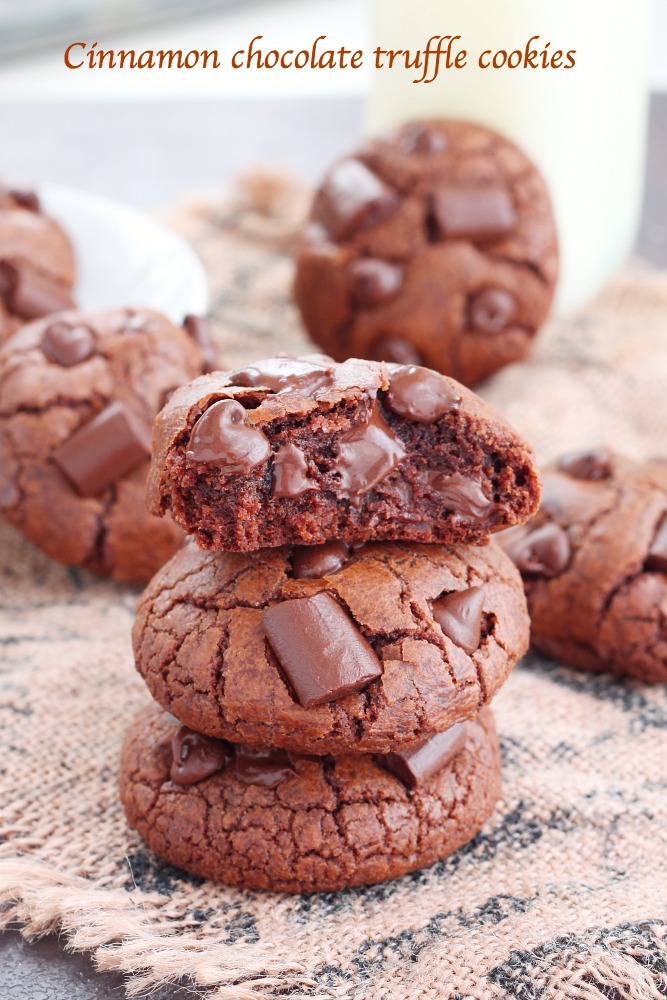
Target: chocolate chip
(196, 756)
(223, 437)
(477, 214)
(104, 450)
(417, 764)
(490, 310)
(322, 653)
(373, 281)
(67, 344)
(396, 350)
(366, 455)
(465, 498)
(284, 375)
(315, 561)
(31, 295)
(25, 199)
(420, 394)
(420, 138)
(201, 331)
(354, 198)
(544, 552)
(657, 554)
(592, 464)
(262, 767)
(290, 472)
(459, 615)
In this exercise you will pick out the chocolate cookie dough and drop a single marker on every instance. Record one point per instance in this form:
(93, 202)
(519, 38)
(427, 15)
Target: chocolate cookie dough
(307, 451)
(594, 564)
(328, 650)
(302, 824)
(432, 245)
(78, 394)
(36, 262)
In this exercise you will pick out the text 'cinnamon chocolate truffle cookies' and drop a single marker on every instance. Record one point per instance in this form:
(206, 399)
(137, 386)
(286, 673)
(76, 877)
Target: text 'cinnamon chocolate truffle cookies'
(78, 395)
(36, 262)
(432, 245)
(307, 451)
(594, 564)
(324, 718)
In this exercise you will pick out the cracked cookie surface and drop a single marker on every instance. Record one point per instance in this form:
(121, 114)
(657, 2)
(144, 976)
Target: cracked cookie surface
(37, 267)
(201, 645)
(332, 824)
(306, 450)
(78, 394)
(594, 564)
(435, 245)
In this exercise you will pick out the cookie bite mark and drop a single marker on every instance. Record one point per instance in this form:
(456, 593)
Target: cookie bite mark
(305, 452)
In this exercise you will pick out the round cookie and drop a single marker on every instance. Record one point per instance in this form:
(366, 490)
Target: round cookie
(326, 824)
(594, 564)
(78, 395)
(327, 650)
(36, 262)
(434, 245)
(304, 450)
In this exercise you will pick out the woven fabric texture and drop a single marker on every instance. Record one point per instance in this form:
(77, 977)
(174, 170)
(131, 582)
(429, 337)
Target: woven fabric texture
(562, 895)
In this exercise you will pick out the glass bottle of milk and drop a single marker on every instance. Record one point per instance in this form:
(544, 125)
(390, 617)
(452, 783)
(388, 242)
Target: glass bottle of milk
(584, 127)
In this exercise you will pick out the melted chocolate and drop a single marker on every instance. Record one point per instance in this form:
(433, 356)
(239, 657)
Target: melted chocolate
(222, 436)
(366, 455)
(278, 375)
(464, 497)
(315, 561)
(31, 295)
(459, 615)
(196, 757)
(290, 472)
(420, 394)
(374, 281)
(491, 310)
(544, 552)
(262, 767)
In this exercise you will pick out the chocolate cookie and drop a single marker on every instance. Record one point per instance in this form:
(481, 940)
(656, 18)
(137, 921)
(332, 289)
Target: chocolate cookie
(262, 820)
(78, 394)
(326, 649)
(594, 563)
(36, 262)
(432, 245)
(306, 450)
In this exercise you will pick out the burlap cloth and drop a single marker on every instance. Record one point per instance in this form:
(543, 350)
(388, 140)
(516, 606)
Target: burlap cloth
(563, 894)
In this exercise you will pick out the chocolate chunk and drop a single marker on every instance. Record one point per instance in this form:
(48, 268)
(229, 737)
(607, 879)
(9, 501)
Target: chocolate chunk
(290, 472)
(31, 295)
(544, 552)
(25, 199)
(262, 767)
(366, 455)
(420, 394)
(323, 654)
(490, 310)
(354, 198)
(464, 497)
(285, 375)
(314, 561)
(68, 344)
(657, 554)
(104, 450)
(373, 281)
(592, 464)
(419, 138)
(201, 331)
(477, 214)
(459, 615)
(196, 756)
(397, 350)
(223, 437)
(419, 763)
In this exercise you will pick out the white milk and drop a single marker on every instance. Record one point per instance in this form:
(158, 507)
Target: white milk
(584, 127)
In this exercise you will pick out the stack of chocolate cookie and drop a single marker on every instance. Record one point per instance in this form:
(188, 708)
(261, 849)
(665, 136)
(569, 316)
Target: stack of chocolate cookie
(324, 655)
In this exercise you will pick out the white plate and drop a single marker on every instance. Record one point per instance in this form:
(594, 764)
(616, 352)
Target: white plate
(125, 258)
